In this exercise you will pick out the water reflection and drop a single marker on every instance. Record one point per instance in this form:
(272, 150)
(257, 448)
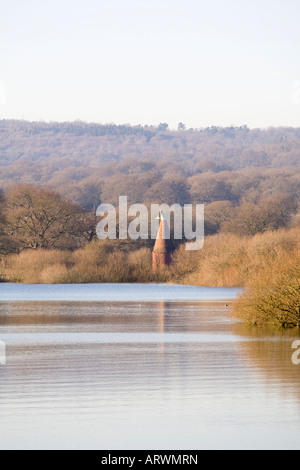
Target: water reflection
(109, 316)
(269, 356)
(162, 314)
(144, 375)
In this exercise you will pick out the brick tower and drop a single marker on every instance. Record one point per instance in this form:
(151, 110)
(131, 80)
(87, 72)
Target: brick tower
(161, 256)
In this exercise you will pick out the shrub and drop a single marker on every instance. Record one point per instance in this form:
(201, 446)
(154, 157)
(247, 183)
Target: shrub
(98, 262)
(36, 266)
(273, 294)
(228, 260)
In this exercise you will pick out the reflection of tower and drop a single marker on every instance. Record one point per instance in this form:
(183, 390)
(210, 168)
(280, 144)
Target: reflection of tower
(161, 256)
(161, 318)
(161, 307)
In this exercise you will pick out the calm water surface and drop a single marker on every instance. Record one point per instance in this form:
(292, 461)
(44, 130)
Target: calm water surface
(141, 367)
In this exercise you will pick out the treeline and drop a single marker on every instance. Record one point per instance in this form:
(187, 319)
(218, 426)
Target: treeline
(37, 219)
(227, 260)
(33, 218)
(89, 163)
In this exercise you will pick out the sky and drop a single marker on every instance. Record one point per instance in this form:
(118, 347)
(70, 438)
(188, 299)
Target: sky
(218, 62)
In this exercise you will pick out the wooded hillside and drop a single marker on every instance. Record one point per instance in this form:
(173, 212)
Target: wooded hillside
(89, 162)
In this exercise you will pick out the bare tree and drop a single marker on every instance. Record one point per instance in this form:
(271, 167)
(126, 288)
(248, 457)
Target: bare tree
(269, 214)
(40, 218)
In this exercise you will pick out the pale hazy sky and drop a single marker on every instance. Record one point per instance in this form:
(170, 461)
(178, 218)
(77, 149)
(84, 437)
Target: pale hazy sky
(213, 62)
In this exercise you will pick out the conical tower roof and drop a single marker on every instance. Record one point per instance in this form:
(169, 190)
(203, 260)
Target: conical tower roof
(163, 244)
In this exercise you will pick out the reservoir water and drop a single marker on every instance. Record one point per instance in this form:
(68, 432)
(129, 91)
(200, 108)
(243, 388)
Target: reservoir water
(141, 367)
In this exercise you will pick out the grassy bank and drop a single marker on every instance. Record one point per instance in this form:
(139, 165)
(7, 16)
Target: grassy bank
(226, 260)
(98, 262)
(231, 261)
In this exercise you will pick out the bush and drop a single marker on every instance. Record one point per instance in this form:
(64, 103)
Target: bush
(228, 260)
(223, 262)
(36, 266)
(273, 294)
(98, 262)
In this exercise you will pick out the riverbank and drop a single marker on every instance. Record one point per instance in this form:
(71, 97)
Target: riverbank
(225, 261)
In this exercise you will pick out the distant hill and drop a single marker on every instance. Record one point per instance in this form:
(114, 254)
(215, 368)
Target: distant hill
(92, 162)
